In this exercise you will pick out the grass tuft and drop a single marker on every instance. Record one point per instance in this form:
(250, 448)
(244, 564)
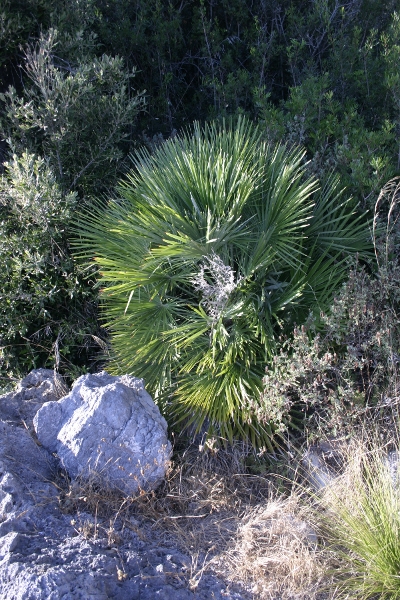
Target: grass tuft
(360, 521)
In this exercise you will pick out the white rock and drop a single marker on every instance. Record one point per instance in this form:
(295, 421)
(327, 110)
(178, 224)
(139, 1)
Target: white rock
(110, 426)
(318, 473)
(8, 543)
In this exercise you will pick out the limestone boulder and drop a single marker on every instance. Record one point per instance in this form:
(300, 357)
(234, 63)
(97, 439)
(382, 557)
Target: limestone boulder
(110, 427)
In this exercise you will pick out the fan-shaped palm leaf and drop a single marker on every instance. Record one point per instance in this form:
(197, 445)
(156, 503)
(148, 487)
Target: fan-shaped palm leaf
(215, 243)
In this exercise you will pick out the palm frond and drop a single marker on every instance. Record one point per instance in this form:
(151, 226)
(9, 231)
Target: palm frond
(216, 244)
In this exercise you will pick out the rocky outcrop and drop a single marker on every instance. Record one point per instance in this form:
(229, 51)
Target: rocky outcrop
(107, 425)
(47, 553)
(20, 406)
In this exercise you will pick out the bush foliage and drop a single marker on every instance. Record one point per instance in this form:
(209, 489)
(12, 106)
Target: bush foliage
(322, 75)
(66, 131)
(216, 245)
(47, 309)
(350, 363)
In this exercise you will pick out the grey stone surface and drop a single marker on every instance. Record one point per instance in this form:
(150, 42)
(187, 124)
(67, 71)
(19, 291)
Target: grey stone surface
(392, 463)
(21, 405)
(107, 425)
(46, 554)
(317, 472)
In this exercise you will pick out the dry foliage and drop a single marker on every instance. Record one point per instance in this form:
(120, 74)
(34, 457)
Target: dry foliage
(275, 551)
(227, 519)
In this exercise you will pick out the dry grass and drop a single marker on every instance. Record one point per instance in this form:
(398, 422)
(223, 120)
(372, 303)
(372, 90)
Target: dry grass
(204, 494)
(231, 521)
(227, 519)
(275, 551)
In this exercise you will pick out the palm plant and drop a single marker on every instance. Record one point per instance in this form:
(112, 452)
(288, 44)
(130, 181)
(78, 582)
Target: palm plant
(216, 244)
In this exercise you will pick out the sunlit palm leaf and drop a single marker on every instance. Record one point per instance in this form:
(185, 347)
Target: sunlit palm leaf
(216, 245)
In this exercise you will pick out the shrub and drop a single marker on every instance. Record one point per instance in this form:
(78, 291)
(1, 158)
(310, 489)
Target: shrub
(77, 115)
(216, 245)
(336, 135)
(351, 363)
(47, 308)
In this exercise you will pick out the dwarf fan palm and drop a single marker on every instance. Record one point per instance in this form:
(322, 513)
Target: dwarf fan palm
(216, 243)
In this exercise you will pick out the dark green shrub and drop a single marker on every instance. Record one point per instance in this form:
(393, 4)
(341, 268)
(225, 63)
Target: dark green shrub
(47, 307)
(336, 136)
(75, 115)
(216, 245)
(22, 21)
